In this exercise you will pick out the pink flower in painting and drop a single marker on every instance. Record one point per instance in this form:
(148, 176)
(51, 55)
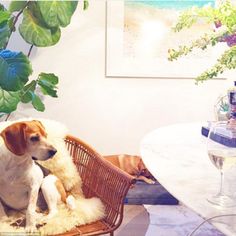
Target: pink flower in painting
(218, 24)
(229, 39)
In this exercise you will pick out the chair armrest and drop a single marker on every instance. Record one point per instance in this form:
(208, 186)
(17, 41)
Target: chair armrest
(101, 179)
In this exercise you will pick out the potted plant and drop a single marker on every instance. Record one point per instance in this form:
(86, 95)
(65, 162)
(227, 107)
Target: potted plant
(40, 26)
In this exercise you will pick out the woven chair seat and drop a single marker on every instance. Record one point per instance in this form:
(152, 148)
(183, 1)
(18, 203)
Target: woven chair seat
(100, 179)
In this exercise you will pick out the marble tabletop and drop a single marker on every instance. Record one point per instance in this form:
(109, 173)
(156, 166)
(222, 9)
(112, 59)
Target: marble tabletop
(176, 155)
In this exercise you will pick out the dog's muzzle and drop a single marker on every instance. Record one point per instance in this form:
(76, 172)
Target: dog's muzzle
(51, 153)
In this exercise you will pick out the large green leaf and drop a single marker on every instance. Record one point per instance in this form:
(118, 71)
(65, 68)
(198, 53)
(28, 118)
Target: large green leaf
(37, 102)
(17, 5)
(15, 69)
(49, 77)
(4, 27)
(4, 16)
(4, 34)
(48, 83)
(2, 7)
(57, 13)
(8, 101)
(34, 30)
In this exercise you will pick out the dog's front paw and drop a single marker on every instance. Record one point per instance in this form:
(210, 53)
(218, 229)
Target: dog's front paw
(39, 218)
(150, 181)
(50, 215)
(70, 201)
(30, 225)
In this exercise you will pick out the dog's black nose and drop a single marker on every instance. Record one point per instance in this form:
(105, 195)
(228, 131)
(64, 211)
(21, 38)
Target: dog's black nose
(52, 152)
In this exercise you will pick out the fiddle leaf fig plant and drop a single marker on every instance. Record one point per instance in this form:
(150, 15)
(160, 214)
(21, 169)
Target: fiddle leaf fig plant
(34, 29)
(40, 25)
(223, 20)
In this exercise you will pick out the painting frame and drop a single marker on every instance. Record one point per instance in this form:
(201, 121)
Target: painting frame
(118, 66)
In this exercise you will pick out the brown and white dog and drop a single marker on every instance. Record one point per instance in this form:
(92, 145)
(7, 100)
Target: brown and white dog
(21, 178)
(132, 165)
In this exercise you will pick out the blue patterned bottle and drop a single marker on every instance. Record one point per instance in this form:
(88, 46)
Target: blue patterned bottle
(232, 102)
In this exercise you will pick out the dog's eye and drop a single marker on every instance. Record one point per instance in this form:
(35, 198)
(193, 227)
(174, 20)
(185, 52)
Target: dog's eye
(34, 138)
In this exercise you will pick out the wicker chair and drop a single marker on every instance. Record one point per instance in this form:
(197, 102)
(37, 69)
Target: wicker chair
(103, 180)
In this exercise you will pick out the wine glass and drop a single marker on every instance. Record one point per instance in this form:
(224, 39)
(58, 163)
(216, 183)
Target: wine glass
(221, 148)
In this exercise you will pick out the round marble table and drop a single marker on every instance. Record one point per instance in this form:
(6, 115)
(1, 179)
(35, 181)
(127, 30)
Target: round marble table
(176, 155)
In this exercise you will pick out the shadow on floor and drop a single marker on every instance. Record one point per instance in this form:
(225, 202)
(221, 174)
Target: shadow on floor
(135, 222)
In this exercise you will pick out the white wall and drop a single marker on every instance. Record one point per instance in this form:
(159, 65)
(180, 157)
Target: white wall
(113, 114)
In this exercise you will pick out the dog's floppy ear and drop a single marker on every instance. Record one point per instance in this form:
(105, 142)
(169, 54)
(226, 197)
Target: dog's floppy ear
(14, 138)
(41, 127)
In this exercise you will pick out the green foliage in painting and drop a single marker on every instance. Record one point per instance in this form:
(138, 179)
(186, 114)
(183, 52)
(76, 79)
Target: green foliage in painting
(223, 19)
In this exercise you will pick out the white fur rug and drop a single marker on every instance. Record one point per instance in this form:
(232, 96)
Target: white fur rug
(87, 210)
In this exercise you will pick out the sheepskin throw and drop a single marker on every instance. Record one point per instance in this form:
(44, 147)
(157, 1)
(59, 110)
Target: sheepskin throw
(62, 166)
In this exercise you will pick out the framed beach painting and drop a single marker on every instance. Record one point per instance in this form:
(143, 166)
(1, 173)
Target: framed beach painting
(139, 34)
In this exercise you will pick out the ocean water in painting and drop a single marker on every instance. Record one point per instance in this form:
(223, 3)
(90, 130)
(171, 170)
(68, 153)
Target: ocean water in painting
(174, 4)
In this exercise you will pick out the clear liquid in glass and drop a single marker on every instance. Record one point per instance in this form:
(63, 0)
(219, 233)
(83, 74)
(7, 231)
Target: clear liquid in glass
(222, 159)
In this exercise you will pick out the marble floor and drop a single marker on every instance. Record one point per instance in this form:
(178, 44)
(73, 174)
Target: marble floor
(162, 220)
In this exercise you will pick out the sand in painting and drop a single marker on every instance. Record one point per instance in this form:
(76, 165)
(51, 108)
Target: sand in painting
(148, 33)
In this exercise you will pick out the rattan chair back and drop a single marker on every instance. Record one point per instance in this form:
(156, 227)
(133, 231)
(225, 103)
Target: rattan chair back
(100, 179)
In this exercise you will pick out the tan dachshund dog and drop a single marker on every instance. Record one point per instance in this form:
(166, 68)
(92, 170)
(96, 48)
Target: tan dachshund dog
(21, 178)
(133, 165)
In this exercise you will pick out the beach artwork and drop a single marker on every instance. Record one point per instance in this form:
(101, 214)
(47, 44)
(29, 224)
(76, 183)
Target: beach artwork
(139, 34)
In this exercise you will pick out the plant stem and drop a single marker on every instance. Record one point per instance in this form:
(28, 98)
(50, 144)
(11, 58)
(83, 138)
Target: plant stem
(30, 50)
(14, 23)
(8, 115)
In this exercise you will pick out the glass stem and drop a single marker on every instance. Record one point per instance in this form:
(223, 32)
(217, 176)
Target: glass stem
(222, 177)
